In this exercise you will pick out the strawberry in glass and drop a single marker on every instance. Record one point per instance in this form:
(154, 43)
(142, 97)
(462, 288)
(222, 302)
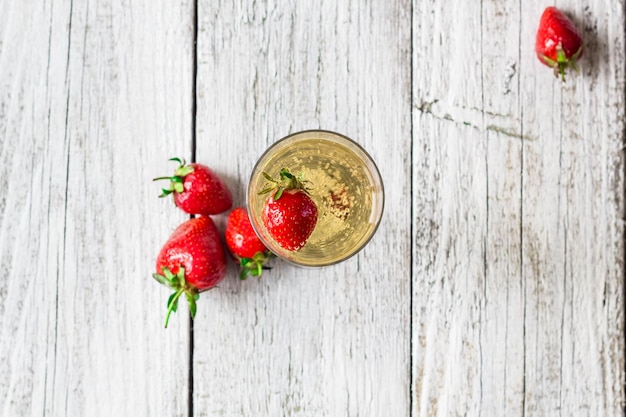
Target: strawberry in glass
(289, 213)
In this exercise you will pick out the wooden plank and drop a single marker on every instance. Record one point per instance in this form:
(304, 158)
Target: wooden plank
(311, 342)
(502, 304)
(572, 232)
(518, 291)
(450, 203)
(95, 96)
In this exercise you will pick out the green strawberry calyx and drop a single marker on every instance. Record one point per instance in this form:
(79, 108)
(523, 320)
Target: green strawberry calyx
(254, 266)
(176, 180)
(562, 62)
(287, 181)
(177, 283)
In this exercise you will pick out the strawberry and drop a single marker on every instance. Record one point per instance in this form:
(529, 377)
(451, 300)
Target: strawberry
(289, 214)
(197, 189)
(191, 261)
(559, 44)
(244, 244)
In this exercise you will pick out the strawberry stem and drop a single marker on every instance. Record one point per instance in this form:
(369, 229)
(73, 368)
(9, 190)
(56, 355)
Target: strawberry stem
(176, 180)
(288, 181)
(254, 266)
(562, 62)
(178, 283)
(172, 304)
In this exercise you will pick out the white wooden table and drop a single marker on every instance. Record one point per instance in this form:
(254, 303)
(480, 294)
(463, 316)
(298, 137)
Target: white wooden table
(494, 286)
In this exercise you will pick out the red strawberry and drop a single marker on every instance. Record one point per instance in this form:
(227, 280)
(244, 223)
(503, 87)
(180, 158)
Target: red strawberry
(289, 214)
(191, 261)
(244, 244)
(197, 189)
(558, 44)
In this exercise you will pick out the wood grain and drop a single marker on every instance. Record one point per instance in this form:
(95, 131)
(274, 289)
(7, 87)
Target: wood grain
(93, 94)
(308, 342)
(518, 301)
